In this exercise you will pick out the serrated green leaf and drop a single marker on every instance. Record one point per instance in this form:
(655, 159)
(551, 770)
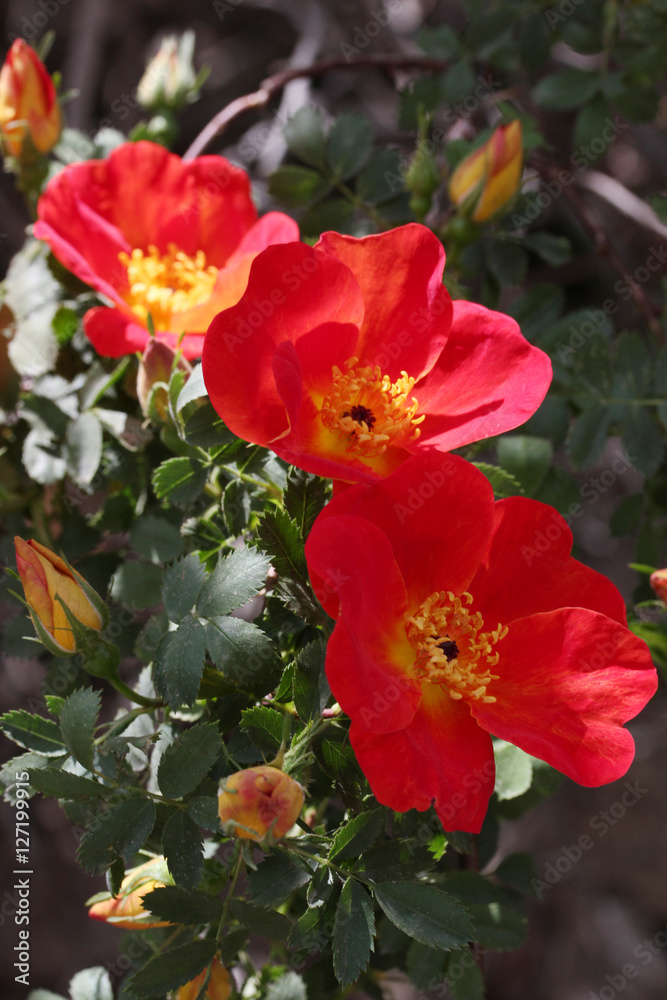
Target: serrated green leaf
(181, 585)
(120, 831)
(294, 186)
(304, 135)
(464, 977)
(304, 497)
(354, 930)
(277, 877)
(236, 506)
(498, 923)
(240, 650)
(170, 969)
(382, 178)
(264, 726)
(357, 835)
(204, 811)
(64, 784)
(526, 458)
(185, 763)
(514, 770)
(182, 846)
(310, 687)
(179, 663)
(504, 483)
(33, 732)
(425, 913)
(269, 924)
(349, 146)
(234, 581)
(180, 480)
(181, 907)
(78, 718)
(395, 861)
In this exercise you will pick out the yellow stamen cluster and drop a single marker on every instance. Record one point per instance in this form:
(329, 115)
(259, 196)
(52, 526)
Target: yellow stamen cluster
(452, 650)
(370, 410)
(165, 284)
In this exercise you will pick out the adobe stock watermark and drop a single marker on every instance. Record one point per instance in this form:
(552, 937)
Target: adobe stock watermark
(34, 25)
(600, 825)
(559, 524)
(645, 952)
(224, 7)
(363, 36)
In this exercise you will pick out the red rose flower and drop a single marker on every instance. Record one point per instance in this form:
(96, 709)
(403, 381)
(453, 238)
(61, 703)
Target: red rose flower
(347, 357)
(159, 236)
(453, 624)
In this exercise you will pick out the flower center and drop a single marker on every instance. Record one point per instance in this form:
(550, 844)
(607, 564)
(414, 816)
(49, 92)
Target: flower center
(164, 284)
(452, 650)
(370, 410)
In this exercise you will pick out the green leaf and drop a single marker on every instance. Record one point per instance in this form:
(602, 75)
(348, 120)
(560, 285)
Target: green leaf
(181, 585)
(204, 811)
(185, 763)
(277, 877)
(504, 483)
(464, 977)
(627, 515)
(425, 913)
(267, 923)
(84, 448)
(568, 89)
(182, 846)
(310, 687)
(304, 135)
(264, 726)
(180, 480)
(354, 930)
(137, 584)
(181, 907)
(236, 506)
(294, 186)
(77, 719)
(350, 145)
(333, 213)
(589, 435)
(156, 539)
(280, 537)
(33, 732)
(552, 249)
(193, 389)
(357, 835)
(507, 262)
(120, 831)
(304, 497)
(498, 923)
(514, 770)
(234, 581)
(289, 987)
(382, 178)
(395, 861)
(588, 129)
(179, 663)
(526, 458)
(241, 651)
(643, 440)
(64, 784)
(170, 969)
(440, 42)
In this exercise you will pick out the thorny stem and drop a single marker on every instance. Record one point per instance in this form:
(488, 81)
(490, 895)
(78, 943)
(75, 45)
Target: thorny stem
(273, 84)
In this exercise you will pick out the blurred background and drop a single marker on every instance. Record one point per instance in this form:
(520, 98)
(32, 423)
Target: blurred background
(600, 929)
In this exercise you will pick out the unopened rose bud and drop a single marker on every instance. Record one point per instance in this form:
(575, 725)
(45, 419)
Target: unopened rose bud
(219, 985)
(52, 588)
(169, 80)
(487, 180)
(155, 369)
(259, 801)
(658, 581)
(28, 102)
(126, 910)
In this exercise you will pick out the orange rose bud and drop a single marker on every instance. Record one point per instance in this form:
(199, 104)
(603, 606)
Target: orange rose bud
(488, 179)
(127, 910)
(658, 581)
(28, 102)
(45, 576)
(219, 985)
(261, 800)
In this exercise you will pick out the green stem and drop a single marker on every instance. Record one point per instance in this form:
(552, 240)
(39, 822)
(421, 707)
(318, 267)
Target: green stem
(114, 377)
(228, 899)
(131, 695)
(358, 202)
(270, 488)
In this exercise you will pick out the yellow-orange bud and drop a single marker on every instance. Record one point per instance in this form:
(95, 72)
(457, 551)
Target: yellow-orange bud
(219, 985)
(488, 179)
(28, 102)
(126, 910)
(658, 581)
(45, 575)
(260, 799)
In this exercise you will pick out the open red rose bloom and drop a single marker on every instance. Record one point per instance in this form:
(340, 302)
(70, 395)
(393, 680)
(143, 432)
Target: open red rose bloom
(156, 235)
(450, 626)
(354, 357)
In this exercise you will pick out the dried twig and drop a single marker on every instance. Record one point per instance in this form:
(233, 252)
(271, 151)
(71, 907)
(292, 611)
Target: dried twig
(273, 84)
